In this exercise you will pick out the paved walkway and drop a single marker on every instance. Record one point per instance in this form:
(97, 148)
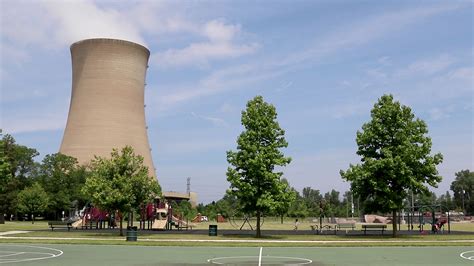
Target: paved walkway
(13, 232)
(238, 240)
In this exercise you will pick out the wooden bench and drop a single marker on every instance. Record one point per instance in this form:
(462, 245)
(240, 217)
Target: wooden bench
(60, 224)
(341, 226)
(373, 227)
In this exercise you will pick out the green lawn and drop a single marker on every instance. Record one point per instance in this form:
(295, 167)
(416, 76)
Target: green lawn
(39, 230)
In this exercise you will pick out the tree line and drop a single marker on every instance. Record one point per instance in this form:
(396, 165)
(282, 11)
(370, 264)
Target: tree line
(394, 147)
(58, 184)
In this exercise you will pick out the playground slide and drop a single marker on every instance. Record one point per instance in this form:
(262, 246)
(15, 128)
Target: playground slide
(159, 224)
(77, 223)
(178, 221)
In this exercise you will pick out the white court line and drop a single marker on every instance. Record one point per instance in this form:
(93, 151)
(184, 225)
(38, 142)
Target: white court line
(304, 261)
(51, 255)
(260, 257)
(467, 258)
(13, 254)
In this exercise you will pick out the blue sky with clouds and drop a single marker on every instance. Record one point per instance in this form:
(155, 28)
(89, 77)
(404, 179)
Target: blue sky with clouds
(323, 64)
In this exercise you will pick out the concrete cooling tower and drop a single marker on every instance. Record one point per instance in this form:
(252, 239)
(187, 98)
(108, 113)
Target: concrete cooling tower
(107, 100)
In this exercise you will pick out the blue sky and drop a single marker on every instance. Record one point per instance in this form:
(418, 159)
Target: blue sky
(323, 64)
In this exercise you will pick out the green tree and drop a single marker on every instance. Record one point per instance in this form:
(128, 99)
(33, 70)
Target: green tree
(252, 178)
(286, 199)
(119, 183)
(21, 168)
(298, 207)
(463, 188)
(333, 204)
(62, 178)
(5, 177)
(183, 210)
(395, 151)
(33, 200)
(447, 201)
(312, 198)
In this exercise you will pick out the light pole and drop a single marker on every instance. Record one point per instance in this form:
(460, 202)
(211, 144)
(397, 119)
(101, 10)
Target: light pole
(463, 207)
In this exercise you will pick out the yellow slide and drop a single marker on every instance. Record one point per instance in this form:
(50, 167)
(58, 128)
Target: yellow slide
(77, 223)
(159, 225)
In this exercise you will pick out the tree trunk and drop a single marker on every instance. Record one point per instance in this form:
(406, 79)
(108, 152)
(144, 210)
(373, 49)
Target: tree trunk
(131, 218)
(32, 219)
(394, 223)
(2, 218)
(258, 225)
(121, 231)
(281, 217)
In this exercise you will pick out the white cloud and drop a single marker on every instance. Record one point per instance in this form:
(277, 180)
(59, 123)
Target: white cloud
(53, 24)
(439, 113)
(220, 45)
(84, 19)
(348, 37)
(427, 66)
(214, 120)
(199, 54)
(33, 123)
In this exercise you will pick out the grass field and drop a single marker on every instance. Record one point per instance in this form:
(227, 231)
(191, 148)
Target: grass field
(39, 233)
(270, 224)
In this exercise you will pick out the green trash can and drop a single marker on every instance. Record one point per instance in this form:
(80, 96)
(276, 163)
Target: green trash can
(213, 230)
(132, 233)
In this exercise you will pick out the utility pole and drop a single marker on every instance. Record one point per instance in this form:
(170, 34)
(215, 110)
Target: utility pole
(352, 205)
(188, 185)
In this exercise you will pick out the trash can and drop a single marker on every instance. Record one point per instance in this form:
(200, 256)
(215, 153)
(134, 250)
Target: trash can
(132, 233)
(213, 230)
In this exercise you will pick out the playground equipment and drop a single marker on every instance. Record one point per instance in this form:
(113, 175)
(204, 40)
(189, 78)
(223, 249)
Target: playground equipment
(247, 219)
(435, 215)
(94, 218)
(161, 219)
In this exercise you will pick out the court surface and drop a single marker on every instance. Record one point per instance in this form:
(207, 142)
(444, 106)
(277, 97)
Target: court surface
(37, 254)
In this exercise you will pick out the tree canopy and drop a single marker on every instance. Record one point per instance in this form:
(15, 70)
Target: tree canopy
(62, 178)
(33, 200)
(463, 188)
(19, 169)
(395, 157)
(120, 183)
(252, 175)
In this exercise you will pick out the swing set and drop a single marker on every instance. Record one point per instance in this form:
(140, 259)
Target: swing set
(435, 215)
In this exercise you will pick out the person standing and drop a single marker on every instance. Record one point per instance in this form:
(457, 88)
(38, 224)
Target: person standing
(296, 224)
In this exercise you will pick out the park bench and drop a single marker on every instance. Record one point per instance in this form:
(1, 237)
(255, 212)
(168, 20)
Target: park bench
(373, 227)
(60, 224)
(346, 226)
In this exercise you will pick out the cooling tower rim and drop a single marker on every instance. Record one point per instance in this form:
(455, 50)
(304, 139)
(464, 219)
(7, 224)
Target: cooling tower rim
(110, 40)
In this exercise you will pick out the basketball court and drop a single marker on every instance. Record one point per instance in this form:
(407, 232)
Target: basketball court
(19, 254)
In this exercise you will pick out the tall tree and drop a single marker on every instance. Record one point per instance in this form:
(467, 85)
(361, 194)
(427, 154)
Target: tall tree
(119, 183)
(33, 201)
(5, 177)
(21, 167)
(312, 198)
(463, 188)
(395, 153)
(62, 178)
(447, 201)
(287, 198)
(252, 175)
